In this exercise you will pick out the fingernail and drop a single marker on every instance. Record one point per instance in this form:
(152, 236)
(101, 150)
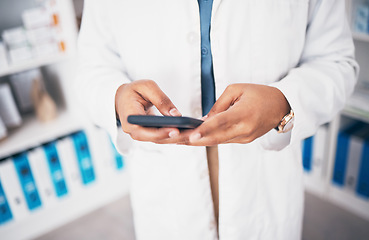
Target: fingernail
(174, 112)
(204, 117)
(195, 137)
(173, 134)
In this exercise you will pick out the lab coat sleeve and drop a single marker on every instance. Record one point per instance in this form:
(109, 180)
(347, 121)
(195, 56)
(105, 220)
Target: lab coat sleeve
(101, 71)
(318, 88)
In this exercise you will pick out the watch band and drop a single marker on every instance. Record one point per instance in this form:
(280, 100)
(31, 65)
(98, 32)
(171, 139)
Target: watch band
(286, 120)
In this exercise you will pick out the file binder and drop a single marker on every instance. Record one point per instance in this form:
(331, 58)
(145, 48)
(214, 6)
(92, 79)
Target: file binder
(342, 153)
(83, 157)
(40, 170)
(307, 156)
(27, 181)
(68, 160)
(5, 212)
(363, 179)
(13, 190)
(55, 168)
(314, 153)
(319, 152)
(356, 145)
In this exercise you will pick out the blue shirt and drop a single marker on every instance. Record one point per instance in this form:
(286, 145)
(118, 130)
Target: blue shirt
(207, 75)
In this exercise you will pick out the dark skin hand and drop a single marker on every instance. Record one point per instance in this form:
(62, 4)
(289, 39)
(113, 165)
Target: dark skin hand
(243, 113)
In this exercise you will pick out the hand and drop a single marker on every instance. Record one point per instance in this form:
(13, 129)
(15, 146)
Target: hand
(243, 113)
(137, 98)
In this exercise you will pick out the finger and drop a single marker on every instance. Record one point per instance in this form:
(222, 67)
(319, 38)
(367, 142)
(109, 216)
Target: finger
(177, 138)
(226, 100)
(151, 92)
(151, 134)
(218, 129)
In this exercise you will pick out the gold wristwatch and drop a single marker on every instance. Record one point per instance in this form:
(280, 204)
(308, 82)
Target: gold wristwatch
(286, 124)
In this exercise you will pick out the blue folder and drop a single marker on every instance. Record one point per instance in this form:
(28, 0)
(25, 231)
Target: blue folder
(5, 212)
(307, 153)
(362, 187)
(84, 157)
(56, 171)
(27, 181)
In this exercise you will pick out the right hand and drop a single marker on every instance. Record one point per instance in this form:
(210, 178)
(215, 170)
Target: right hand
(136, 98)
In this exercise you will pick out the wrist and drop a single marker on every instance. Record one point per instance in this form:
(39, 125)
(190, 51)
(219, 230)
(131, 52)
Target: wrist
(283, 106)
(118, 94)
(285, 115)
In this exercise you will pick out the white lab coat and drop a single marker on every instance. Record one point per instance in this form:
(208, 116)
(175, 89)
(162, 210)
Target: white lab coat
(302, 47)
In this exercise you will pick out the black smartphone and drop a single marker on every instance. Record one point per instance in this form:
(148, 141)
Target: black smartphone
(164, 121)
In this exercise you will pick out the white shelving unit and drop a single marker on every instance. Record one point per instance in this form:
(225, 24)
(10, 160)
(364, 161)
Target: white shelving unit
(33, 63)
(361, 37)
(110, 182)
(34, 133)
(357, 109)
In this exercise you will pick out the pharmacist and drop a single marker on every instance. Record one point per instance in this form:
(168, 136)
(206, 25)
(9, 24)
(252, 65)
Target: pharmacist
(265, 63)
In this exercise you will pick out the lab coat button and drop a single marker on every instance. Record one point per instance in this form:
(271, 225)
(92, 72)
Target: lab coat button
(192, 37)
(204, 51)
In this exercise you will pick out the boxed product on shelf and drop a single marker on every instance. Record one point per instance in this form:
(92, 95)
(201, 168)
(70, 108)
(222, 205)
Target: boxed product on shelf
(20, 54)
(361, 17)
(36, 18)
(3, 130)
(46, 49)
(44, 40)
(41, 35)
(350, 157)
(3, 56)
(8, 109)
(15, 37)
(22, 86)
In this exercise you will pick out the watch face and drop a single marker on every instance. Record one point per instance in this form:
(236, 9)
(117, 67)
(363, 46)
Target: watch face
(288, 127)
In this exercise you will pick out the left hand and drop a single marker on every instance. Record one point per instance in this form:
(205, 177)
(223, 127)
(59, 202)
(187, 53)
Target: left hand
(243, 113)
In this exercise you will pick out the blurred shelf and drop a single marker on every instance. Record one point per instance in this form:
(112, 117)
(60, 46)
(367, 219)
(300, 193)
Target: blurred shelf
(349, 200)
(33, 63)
(69, 208)
(314, 185)
(356, 113)
(358, 104)
(360, 36)
(33, 133)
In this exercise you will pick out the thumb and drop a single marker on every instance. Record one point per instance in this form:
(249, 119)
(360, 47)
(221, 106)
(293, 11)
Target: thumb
(225, 101)
(151, 92)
